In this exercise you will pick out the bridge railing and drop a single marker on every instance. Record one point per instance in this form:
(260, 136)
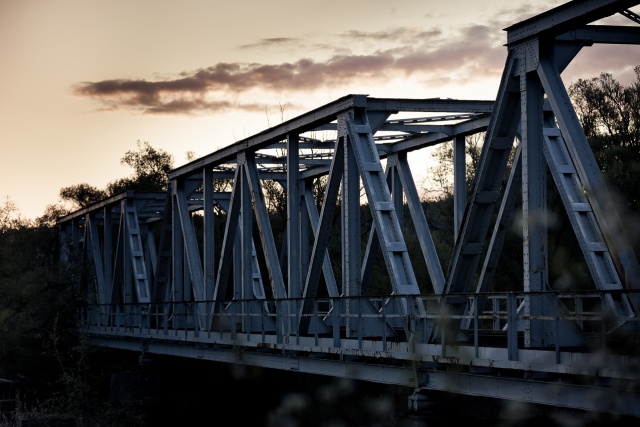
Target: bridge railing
(496, 319)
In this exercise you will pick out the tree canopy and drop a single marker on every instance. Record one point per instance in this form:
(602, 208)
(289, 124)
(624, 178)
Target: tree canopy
(82, 195)
(150, 168)
(610, 116)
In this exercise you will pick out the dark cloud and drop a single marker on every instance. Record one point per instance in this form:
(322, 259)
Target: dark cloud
(190, 94)
(399, 34)
(182, 105)
(428, 57)
(393, 53)
(270, 42)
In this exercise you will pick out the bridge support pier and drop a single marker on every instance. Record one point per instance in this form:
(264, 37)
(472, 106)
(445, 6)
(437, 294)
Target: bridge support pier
(420, 402)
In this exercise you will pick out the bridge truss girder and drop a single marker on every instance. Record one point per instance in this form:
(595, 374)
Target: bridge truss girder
(228, 272)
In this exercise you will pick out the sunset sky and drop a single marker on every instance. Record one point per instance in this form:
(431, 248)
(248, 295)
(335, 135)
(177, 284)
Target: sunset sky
(83, 81)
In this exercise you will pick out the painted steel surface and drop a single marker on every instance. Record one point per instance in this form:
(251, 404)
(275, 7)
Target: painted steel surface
(214, 268)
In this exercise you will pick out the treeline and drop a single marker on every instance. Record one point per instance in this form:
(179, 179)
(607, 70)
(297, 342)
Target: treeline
(40, 352)
(57, 373)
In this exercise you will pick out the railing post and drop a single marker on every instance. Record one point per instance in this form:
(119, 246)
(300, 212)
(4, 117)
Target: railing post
(444, 324)
(315, 319)
(475, 325)
(337, 306)
(296, 319)
(603, 322)
(512, 326)
(556, 331)
(360, 326)
(384, 324)
(279, 326)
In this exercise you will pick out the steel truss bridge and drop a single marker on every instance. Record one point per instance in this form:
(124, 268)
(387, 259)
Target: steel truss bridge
(349, 281)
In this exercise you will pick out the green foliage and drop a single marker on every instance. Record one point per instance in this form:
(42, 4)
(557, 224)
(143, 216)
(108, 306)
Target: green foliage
(275, 197)
(57, 372)
(150, 167)
(10, 217)
(440, 182)
(51, 214)
(610, 116)
(33, 294)
(81, 195)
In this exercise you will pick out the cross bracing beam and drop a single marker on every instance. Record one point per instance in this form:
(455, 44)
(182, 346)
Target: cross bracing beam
(631, 15)
(319, 118)
(565, 17)
(602, 34)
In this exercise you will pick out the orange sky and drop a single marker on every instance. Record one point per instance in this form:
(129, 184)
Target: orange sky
(83, 81)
